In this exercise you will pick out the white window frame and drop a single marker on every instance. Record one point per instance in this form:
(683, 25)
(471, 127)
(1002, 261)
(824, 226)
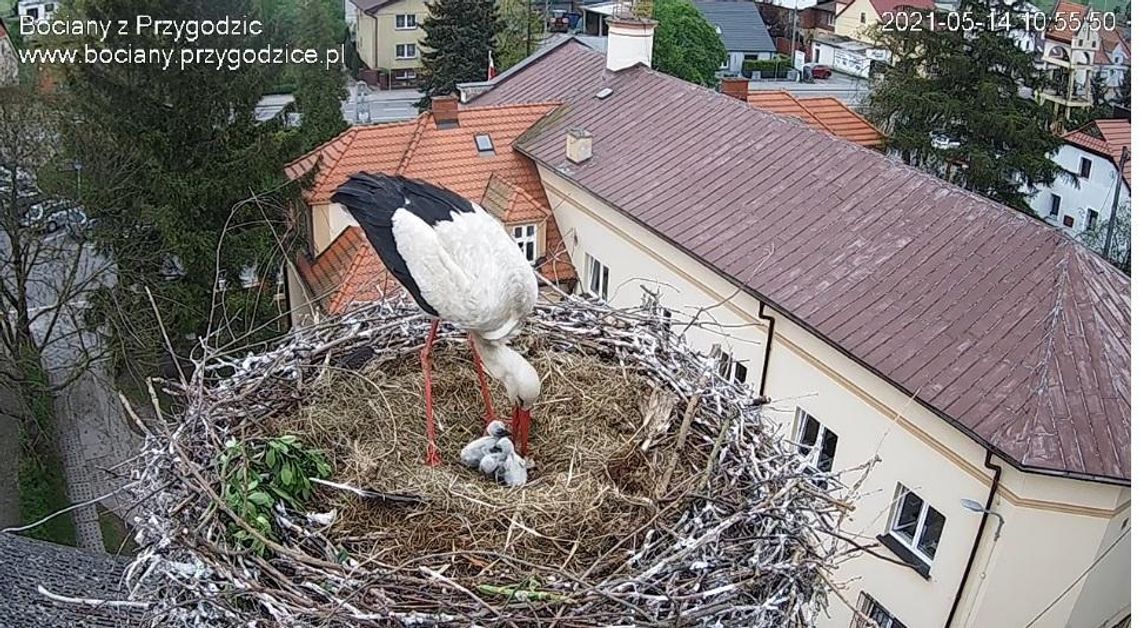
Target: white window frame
(524, 235)
(727, 368)
(597, 272)
(867, 605)
(813, 456)
(1054, 208)
(919, 527)
(1092, 217)
(405, 74)
(406, 27)
(1081, 167)
(415, 51)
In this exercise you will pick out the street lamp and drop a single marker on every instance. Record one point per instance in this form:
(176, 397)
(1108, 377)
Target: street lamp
(974, 506)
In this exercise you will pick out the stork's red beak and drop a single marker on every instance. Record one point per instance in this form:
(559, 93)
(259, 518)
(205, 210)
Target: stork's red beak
(520, 425)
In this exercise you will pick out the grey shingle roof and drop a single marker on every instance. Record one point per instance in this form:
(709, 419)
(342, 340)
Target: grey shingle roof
(742, 29)
(1008, 329)
(26, 563)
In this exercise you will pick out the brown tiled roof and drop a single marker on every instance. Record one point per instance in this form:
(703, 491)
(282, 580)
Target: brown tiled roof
(1064, 28)
(823, 113)
(353, 273)
(370, 6)
(1106, 138)
(1009, 330)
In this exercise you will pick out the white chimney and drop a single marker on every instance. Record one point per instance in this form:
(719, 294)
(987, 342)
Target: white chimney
(630, 42)
(579, 145)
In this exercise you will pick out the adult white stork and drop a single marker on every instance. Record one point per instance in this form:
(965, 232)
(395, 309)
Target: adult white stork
(459, 264)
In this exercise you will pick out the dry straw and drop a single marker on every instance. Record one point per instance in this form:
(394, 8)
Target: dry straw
(742, 533)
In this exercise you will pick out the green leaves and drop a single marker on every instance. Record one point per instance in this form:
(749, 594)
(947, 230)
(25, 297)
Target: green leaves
(259, 476)
(457, 36)
(685, 44)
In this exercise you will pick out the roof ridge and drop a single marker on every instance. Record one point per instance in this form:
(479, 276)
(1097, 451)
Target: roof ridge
(414, 143)
(548, 103)
(319, 150)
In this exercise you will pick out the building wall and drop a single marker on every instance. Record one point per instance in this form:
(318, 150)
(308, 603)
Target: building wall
(377, 35)
(329, 220)
(1078, 197)
(849, 24)
(1053, 528)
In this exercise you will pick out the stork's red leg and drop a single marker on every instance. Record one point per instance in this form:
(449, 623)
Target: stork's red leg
(433, 459)
(482, 382)
(520, 426)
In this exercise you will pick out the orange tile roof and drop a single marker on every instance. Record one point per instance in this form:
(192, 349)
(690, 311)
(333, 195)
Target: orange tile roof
(1109, 39)
(1064, 28)
(1106, 138)
(353, 273)
(822, 113)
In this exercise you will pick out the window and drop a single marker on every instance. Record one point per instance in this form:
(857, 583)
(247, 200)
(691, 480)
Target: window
(406, 22)
(1054, 205)
(526, 236)
(817, 443)
(598, 275)
(1086, 167)
(729, 369)
(1090, 221)
(405, 75)
(49, 7)
(483, 144)
(405, 51)
(1067, 221)
(34, 13)
(862, 18)
(880, 617)
(916, 524)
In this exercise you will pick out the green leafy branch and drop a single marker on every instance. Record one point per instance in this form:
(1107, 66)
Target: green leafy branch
(258, 476)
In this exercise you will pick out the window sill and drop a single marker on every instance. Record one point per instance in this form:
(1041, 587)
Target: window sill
(908, 556)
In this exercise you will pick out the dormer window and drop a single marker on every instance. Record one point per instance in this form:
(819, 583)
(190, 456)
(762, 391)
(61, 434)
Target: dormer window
(484, 145)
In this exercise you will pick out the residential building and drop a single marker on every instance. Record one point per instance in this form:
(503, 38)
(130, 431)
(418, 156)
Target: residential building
(1114, 56)
(970, 351)
(857, 19)
(741, 29)
(469, 151)
(824, 113)
(846, 55)
(9, 62)
(1068, 52)
(1092, 155)
(40, 10)
(388, 39)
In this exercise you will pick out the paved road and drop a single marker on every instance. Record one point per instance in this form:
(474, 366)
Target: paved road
(369, 107)
(849, 90)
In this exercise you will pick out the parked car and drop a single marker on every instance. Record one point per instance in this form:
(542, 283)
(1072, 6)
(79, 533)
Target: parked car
(818, 71)
(51, 216)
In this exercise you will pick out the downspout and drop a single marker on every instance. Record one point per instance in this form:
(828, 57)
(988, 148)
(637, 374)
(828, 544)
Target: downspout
(977, 538)
(767, 347)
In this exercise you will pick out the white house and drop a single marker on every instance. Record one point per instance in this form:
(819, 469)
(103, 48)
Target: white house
(889, 314)
(1091, 154)
(37, 9)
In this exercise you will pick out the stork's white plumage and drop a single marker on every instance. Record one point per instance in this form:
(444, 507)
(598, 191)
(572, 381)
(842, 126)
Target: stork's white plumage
(459, 264)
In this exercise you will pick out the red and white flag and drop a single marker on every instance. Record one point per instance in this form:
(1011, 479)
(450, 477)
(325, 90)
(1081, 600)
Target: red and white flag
(490, 66)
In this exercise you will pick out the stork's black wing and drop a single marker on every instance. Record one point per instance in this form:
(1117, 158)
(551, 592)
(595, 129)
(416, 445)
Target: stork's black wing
(373, 199)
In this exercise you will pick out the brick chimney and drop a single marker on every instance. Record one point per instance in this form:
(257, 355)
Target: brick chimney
(630, 41)
(735, 86)
(579, 145)
(445, 111)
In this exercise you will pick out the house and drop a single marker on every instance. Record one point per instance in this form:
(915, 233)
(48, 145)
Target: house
(1069, 51)
(846, 55)
(1114, 56)
(969, 350)
(9, 62)
(824, 113)
(39, 10)
(469, 151)
(857, 19)
(741, 29)
(1092, 154)
(388, 38)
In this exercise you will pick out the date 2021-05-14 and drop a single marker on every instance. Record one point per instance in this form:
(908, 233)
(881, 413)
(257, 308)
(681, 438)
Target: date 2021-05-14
(1026, 21)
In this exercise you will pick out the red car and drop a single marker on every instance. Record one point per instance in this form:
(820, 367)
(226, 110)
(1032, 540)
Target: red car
(820, 71)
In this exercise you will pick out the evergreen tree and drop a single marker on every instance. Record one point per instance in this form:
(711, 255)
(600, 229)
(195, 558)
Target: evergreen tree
(951, 96)
(685, 44)
(1124, 92)
(521, 34)
(171, 158)
(457, 36)
(320, 90)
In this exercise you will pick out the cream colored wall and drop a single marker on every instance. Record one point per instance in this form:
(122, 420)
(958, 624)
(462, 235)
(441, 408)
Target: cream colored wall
(389, 36)
(1054, 526)
(366, 32)
(847, 24)
(328, 222)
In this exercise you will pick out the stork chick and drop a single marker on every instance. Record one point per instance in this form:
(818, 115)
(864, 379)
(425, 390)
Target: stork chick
(512, 470)
(473, 453)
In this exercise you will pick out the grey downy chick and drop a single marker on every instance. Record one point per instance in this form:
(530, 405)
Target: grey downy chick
(473, 453)
(512, 470)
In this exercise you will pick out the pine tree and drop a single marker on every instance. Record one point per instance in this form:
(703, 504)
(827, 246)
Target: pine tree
(457, 36)
(685, 44)
(951, 96)
(320, 90)
(171, 158)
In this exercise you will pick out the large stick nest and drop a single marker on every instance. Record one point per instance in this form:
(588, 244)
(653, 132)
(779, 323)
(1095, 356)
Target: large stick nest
(660, 494)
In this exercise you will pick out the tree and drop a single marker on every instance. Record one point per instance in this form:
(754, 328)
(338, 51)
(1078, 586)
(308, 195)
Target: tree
(320, 90)
(951, 96)
(685, 44)
(1120, 251)
(1124, 92)
(44, 282)
(457, 36)
(173, 155)
(521, 34)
